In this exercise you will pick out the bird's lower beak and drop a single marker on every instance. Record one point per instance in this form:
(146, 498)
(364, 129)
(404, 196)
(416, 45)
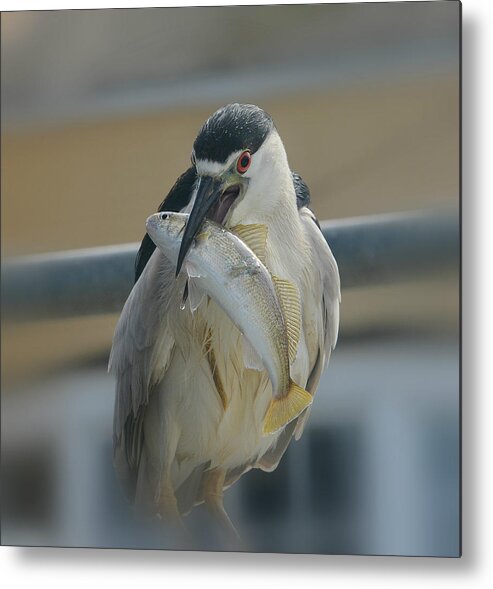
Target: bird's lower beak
(213, 195)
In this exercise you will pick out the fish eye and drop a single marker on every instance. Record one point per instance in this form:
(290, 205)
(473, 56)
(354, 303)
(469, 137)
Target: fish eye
(164, 216)
(244, 162)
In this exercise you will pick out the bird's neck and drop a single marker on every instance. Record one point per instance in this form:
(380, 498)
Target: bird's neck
(286, 243)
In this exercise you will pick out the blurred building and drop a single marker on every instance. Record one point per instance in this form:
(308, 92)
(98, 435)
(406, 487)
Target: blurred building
(99, 112)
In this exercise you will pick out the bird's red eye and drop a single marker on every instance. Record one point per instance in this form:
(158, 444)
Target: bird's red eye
(244, 162)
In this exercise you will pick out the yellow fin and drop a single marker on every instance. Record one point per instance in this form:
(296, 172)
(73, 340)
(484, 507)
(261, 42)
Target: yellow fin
(255, 237)
(289, 299)
(282, 411)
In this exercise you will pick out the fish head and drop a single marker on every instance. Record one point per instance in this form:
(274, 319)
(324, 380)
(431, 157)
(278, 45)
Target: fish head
(166, 230)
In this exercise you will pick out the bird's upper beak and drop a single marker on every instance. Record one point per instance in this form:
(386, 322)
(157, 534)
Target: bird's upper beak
(214, 197)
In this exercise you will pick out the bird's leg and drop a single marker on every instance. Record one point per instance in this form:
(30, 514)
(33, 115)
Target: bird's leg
(167, 504)
(213, 498)
(165, 499)
(169, 512)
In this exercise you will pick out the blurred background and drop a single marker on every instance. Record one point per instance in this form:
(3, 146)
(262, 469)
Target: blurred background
(99, 113)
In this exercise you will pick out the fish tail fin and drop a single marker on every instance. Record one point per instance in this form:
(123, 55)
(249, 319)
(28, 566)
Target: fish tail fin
(281, 411)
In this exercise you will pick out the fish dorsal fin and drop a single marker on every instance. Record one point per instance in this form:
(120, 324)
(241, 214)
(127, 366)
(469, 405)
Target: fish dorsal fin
(289, 300)
(254, 236)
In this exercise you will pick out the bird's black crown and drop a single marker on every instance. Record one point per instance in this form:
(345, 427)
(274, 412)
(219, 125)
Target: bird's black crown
(231, 128)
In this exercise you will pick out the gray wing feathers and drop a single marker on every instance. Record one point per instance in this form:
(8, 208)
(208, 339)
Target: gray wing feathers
(140, 333)
(141, 350)
(325, 267)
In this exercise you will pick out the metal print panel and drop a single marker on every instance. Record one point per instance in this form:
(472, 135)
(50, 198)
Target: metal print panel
(231, 278)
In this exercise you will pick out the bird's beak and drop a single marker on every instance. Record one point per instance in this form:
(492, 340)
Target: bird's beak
(209, 190)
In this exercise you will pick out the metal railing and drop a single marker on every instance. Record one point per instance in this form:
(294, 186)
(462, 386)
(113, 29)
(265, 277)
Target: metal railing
(369, 250)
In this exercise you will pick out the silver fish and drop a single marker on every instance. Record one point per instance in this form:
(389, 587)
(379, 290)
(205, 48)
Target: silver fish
(266, 309)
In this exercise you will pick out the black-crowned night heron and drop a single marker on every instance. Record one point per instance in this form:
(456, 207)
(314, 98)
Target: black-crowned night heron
(188, 413)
